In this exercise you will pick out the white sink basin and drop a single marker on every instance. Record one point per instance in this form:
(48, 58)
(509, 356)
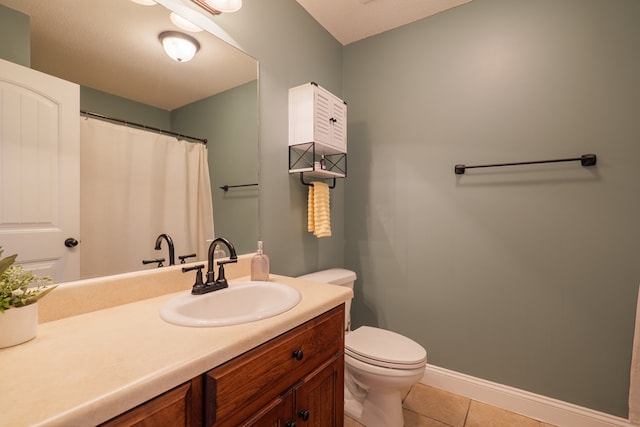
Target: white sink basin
(241, 302)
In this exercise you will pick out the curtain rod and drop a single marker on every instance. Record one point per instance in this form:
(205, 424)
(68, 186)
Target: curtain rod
(128, 123)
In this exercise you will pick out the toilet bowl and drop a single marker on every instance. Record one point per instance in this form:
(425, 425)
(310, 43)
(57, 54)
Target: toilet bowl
(379, 364)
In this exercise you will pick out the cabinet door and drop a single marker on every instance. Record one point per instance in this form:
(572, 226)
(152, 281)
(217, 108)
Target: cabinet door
(278, 413)
(319, 401)
(179, 407)
(322, 120)
(339, 125)
(242, 387)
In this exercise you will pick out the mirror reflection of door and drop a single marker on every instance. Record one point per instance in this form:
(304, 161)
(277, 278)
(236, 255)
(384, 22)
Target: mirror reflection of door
(39, 155)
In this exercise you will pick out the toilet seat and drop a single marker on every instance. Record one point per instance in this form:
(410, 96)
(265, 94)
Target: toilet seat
(383, 348)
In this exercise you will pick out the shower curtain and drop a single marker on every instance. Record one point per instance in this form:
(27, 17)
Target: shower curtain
(134, 186)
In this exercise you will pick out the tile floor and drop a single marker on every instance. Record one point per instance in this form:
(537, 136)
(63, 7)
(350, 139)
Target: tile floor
(426, 406)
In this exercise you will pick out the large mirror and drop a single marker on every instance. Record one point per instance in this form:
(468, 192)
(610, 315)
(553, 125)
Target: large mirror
(112, 50)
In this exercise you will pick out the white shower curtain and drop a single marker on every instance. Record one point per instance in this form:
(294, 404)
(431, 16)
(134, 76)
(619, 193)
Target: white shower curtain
(134, 186)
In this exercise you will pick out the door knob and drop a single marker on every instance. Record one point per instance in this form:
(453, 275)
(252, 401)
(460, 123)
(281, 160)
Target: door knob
(71, 242)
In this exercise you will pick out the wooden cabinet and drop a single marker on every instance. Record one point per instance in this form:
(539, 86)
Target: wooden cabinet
(179, 407)
(278, 413)
(316, 115)
(296, 379)
(319, 400)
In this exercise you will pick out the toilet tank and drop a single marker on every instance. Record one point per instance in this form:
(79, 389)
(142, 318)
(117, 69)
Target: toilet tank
(335, 276)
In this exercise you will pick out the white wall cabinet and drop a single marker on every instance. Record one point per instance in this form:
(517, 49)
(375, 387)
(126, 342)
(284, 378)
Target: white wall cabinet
(317, 132)
(317, 115)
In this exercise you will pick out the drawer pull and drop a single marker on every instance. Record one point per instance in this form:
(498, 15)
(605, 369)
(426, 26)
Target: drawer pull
(304, 414)
(298, 354)
(290, 424)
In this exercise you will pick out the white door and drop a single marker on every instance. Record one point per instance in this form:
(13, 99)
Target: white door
(40, 171)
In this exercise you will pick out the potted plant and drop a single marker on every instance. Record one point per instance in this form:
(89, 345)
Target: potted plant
(20, 291)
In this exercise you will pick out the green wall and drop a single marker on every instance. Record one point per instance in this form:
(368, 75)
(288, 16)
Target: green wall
(230, 122)
(100, 102)
(526, 276)
(15, 40)
(292, 48)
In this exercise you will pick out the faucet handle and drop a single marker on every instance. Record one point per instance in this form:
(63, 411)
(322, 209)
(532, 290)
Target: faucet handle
(199, 286)
(160, 261)
(183, 257)
(227, 261)
(221, 281)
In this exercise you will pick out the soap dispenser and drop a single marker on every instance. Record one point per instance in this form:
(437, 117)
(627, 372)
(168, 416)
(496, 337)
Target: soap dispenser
(218, 253)
(260, 265)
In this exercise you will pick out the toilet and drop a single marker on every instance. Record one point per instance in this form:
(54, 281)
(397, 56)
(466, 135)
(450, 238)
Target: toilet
(379, 364)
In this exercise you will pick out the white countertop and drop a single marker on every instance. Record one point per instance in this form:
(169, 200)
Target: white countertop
(85, 369)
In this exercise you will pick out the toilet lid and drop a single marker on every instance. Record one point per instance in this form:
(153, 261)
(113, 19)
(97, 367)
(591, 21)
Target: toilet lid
(384, 348)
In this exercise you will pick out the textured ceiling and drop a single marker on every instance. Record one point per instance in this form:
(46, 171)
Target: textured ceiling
(113, 46)
(352, 20)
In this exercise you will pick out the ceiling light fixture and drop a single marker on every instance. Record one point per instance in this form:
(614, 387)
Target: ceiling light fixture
(183, 23)
(225, 6)
(179, 46)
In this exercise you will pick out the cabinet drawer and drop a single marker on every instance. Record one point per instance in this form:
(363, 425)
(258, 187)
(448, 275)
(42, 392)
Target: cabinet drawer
(239, 388)
(179, 407)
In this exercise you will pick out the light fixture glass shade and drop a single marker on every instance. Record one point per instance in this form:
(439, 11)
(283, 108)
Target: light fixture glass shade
(179, 46)
(183, 23)
(225, 6)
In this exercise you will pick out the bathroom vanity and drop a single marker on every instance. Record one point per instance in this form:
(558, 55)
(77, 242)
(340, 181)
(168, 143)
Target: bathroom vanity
(296, 377)
(124, 365)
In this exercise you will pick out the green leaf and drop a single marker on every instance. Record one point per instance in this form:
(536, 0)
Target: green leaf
(19, 287)
(6, 262)
(45, 291)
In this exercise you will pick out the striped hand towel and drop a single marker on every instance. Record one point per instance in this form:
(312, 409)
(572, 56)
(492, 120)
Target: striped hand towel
(319, 210)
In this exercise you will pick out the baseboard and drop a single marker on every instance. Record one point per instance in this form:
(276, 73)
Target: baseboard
(542, 408)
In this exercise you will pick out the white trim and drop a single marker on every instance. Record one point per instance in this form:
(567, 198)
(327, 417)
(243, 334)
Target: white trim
(522, 402)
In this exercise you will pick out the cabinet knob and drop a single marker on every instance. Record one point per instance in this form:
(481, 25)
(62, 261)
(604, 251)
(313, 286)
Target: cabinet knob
(298, 354)
(304, 414)
(290, 424)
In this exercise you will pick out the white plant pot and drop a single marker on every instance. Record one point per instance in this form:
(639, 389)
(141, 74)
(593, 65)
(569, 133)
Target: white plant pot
(18, 325)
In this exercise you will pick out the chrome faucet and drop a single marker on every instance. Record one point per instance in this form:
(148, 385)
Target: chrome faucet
(213, 284)
(172, 257)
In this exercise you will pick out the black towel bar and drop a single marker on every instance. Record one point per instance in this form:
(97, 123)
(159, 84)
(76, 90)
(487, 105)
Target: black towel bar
(333, 184)
(585, 160)
(227, 187)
